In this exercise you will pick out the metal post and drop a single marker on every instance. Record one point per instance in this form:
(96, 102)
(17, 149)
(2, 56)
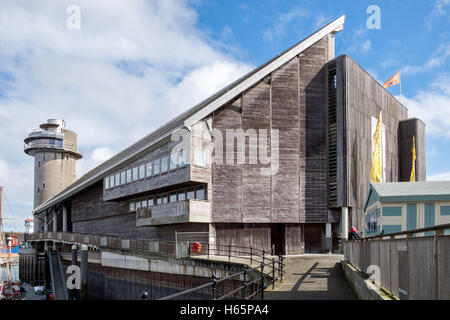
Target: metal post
(84, 272)
(229, 253)
(73, 292)
(262, 279)
(214, 284)
(244, 290)
(280, 268)
(207, 247)
(251, 255)
(273, 273)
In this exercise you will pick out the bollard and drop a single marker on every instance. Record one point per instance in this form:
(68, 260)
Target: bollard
(84, 272)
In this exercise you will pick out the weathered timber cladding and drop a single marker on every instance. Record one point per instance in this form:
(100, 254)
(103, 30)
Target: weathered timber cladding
(363, 98)
(93, 216)
(407, 130)
(292, 101)
(255, 235)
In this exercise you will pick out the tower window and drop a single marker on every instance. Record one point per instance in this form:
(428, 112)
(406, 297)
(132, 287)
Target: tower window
(39, 190)
(43, 186)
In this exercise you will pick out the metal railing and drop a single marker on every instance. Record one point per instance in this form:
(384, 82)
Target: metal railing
(268, 267)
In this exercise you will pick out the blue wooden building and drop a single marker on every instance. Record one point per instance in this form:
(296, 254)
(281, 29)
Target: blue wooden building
(401, 206)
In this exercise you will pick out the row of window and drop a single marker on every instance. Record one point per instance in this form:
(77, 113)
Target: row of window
(198, 193)
(153, 168)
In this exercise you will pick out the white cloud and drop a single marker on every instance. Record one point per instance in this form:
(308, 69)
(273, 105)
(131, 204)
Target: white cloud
(278, 30)
(433, 107)
(443, 176)
(131, 67)
(439, 9)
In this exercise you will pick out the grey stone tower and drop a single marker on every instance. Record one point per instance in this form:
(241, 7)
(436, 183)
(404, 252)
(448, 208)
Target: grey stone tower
(54, 149)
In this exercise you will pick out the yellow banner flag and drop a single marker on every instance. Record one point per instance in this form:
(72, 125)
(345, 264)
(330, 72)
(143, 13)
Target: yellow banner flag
(413, 170)
(375, 170)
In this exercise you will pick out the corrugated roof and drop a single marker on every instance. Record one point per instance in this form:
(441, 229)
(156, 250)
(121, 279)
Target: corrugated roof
(192, 115)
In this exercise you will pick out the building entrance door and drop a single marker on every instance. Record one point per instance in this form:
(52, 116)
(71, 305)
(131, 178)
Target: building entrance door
(314, 238)
(278, 241)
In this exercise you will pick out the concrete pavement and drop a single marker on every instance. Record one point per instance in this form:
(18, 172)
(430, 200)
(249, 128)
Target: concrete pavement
(312, 277)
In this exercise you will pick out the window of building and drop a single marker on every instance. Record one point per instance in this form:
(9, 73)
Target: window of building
(144, 203)
(156, 166)
(135, 174)
(181, 195)
(39, 164)
(173, 160)
(158, 200)
(173, 197)
(39, 190)
(201, 157)
(200, 193)
(164, 164)
(190, 193)
(149, 169)
(106, 181)
(132, 206)
(181, 159)
(111, 181)
(123, 177)
(43, 186)
(151, 201)
(165, 198)
(138, 205)
(118, 179)
(129, 176)
(142, 171)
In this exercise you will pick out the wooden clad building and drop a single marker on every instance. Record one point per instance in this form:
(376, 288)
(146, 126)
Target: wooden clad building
(308, 117)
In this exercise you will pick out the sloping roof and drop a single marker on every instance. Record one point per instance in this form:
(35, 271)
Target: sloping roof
(410, 191)
(193, 115)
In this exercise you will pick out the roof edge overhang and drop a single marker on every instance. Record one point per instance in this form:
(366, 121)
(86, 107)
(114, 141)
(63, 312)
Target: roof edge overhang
(187, 119)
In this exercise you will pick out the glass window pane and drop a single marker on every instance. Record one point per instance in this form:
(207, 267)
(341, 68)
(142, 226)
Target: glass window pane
(181, 195)
(164, 164)
(144, 203)
(156, 166)
(173, 160)
(128, 175)
(132, 206)
(142, 171)
(149, 169)
(150, 201)
(165, 198)
(138, 204)
(181, 160)
(173, 197)
(190, 194)
(159, 200)
(200, 193)
(111, 181)
(135, 174)
(106, 181)
(122, 177)
(117, 179)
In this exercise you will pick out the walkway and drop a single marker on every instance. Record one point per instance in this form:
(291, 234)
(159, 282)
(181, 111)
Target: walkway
(312, 277)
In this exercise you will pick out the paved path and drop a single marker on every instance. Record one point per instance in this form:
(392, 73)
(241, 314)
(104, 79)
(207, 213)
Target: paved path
(312, 277)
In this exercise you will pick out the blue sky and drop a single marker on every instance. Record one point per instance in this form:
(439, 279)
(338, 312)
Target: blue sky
(133, 65)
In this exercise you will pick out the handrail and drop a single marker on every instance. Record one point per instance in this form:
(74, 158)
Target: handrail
(408, 232)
